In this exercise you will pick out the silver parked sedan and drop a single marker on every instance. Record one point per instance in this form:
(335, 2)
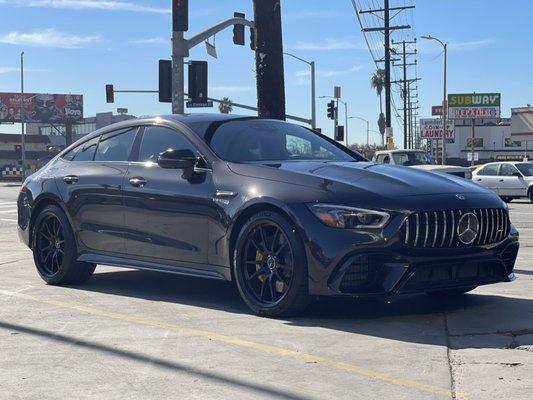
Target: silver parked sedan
(510, 180)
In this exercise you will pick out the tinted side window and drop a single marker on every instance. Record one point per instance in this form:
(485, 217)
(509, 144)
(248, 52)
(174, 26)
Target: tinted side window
(116, 145)
(84, 152)
(507, 170)
(489, 170)
(157, 139)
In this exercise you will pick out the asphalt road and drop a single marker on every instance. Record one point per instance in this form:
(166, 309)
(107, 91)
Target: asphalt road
(139, 335)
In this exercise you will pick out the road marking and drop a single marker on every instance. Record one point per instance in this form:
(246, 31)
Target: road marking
(279, 351)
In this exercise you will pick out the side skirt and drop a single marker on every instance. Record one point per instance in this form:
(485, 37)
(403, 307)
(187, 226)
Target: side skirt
(150, 266)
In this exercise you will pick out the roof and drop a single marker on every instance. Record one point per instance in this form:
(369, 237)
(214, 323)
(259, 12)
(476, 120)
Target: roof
(204, 117)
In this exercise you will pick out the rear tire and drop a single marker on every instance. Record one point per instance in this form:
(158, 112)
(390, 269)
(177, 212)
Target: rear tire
(530, 194)
(55, 251)
(270, 267)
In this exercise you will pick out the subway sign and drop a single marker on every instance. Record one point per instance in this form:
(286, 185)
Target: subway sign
(474, 105)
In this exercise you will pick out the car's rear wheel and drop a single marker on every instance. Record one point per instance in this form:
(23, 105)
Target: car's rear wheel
(270, 267)
(530, 194)
(54, 249)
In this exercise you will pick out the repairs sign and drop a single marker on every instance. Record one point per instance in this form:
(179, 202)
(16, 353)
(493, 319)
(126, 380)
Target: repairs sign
(474, 105)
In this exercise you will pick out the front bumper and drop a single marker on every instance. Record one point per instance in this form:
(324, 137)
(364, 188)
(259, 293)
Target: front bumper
(356, 263)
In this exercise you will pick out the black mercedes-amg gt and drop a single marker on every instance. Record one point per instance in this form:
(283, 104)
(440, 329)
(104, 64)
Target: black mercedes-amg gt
(281, 210)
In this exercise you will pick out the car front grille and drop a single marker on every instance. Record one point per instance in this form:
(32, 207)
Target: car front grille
(439, 229)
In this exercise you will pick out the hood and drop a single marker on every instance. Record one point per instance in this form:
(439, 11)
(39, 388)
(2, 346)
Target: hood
(380, 179)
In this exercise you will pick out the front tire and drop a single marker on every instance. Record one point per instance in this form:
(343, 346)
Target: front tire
(54, 249)
(270, 267)
(507, 199)
(530, 195)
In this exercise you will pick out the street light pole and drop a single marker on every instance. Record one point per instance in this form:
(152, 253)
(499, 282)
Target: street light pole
(444, 100)
(22, 115)
(313, 86)
(367, 128)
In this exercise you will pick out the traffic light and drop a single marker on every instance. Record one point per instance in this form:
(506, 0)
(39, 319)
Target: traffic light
(198, 81)
(252, 38)
(339, 134)
(109, 93)
(331, 110)
(180, 15)
(165, 81)
(238, 30)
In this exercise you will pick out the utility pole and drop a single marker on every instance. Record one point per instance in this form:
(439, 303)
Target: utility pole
(405, 95)
(22, 117)
(269, 59)
(386, 29)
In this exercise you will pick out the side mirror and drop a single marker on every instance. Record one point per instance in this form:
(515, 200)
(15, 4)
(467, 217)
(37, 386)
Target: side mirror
(177, 159)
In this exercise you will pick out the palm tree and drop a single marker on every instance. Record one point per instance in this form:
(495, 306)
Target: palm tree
(225, 106)
(377, 81)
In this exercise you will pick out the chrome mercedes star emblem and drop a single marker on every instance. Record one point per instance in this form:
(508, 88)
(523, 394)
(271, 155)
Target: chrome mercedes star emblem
(460, 196)
(468, 228)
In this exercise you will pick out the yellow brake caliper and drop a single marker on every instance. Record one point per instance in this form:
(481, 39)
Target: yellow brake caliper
(258, 261)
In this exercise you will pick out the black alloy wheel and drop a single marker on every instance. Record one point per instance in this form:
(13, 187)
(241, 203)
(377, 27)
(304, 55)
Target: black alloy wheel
(50, 243)
(270, 268)
(55, 251)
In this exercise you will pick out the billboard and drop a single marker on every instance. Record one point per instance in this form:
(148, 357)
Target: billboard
(431, 128)
(474, 105)
(41, 107)
(436, 110)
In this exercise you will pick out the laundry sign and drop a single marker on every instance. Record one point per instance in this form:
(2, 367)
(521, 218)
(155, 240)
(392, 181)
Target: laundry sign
(474, 105)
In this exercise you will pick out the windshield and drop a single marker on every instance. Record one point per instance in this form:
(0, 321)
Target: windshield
(413, 158)
(525, 169)
(266, 140)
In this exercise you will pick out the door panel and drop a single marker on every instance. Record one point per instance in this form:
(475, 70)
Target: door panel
(509, 185)
(488, 177)
(94, 202)
(167, 217)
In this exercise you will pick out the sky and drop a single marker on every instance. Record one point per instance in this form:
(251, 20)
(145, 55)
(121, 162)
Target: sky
(79, 46)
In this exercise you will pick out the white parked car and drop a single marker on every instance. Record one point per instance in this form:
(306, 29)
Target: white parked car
(510, 180)
(418, 159)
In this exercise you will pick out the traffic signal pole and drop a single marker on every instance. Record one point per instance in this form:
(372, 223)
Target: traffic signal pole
(182, 46)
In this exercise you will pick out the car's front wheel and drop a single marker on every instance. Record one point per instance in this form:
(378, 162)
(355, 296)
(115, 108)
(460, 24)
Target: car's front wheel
(54, 249)
(270, 268)
(507, 199)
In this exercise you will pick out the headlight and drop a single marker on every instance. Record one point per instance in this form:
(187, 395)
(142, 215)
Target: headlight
(349, 217)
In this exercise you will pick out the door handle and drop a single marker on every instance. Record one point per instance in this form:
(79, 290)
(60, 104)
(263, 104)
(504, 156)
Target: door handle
(502, 180)
(70, 179)
(138, 182)
(479, 179)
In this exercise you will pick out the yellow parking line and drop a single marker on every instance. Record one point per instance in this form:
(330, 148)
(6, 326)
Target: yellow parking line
(280, 351)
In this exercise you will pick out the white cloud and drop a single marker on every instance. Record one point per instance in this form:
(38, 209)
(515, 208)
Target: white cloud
(331, 73)
(47, 38)
(112, 5)
(303, 77)
(328, 44)
(470, 45)
(154, 40)
(8, 70)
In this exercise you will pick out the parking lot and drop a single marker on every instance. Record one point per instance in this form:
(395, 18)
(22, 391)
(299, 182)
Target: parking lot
(130, 334)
